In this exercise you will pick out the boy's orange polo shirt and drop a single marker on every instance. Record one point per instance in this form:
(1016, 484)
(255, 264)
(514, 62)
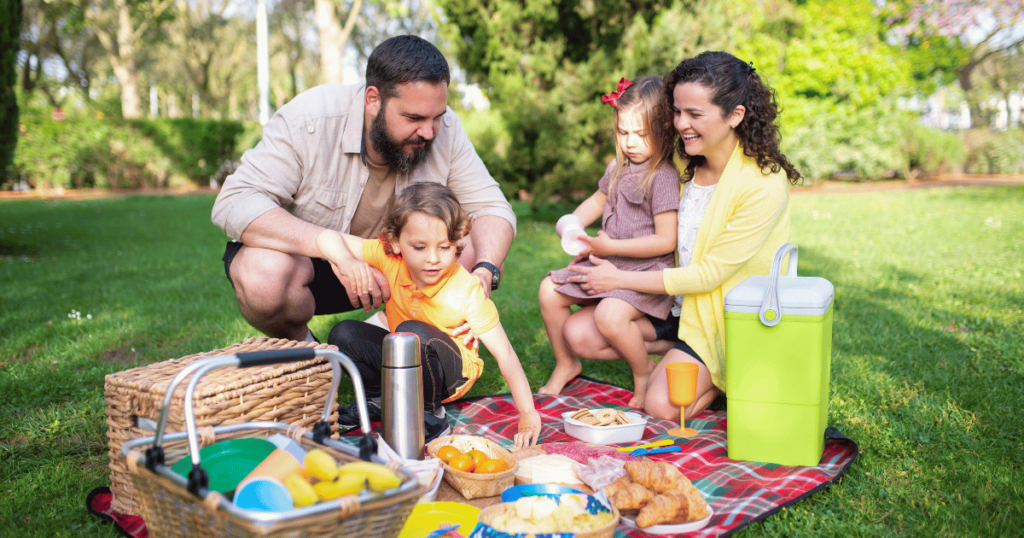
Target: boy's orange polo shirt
(455, 299)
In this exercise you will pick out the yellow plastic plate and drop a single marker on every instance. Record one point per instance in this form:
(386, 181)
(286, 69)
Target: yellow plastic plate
(426, 517)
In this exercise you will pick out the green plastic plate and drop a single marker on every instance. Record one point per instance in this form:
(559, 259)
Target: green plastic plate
(228, 462)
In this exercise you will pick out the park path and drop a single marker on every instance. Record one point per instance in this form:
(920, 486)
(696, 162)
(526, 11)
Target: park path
(819, 187)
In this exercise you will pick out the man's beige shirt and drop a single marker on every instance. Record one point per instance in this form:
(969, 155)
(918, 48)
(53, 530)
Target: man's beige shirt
(309, 163)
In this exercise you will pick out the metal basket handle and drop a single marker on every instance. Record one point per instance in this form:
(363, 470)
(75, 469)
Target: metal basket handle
(197, 477)
(770, 314)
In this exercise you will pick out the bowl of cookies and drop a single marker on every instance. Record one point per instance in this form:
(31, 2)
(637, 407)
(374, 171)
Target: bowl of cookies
(604, 426)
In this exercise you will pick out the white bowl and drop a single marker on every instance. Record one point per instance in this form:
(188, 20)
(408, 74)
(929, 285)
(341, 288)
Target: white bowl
(606, 435)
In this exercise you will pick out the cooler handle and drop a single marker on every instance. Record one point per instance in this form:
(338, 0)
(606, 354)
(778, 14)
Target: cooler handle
(770, 314)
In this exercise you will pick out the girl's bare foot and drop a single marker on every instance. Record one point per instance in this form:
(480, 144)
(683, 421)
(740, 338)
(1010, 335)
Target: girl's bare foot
(563, 374)
(640, 380)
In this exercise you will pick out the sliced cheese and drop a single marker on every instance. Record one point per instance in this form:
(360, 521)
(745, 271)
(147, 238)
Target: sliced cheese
(548, 469)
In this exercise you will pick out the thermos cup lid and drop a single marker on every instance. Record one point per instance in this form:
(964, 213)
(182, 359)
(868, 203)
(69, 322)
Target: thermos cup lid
(401, 350)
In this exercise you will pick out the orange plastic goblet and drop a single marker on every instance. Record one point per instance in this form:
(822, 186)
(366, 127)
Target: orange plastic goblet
(682, 389)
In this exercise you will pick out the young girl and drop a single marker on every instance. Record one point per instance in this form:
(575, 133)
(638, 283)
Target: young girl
(637, 201)
(431, 295)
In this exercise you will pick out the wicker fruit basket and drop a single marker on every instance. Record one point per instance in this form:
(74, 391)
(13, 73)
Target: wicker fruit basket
(489, 514)
(473, 485)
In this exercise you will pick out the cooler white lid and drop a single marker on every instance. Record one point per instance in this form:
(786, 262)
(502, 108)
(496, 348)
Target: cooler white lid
(803, 295)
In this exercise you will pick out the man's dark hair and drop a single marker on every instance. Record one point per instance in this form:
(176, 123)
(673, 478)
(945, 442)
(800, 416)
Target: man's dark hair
(402, 59)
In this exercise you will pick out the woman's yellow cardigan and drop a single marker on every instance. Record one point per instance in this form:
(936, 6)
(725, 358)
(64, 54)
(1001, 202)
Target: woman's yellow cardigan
(746, 221)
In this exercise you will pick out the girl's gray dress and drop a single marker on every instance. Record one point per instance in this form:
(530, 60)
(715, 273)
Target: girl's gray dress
(628, 214)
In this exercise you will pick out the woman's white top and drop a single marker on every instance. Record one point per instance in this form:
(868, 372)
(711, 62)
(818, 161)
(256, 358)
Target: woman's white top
(692, 205)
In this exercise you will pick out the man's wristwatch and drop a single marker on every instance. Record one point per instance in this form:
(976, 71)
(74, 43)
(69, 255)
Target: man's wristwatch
(495, 273)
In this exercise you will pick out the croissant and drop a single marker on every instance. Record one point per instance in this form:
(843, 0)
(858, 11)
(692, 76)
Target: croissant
(619, 483)
(671, 506)
(698, 506)
(660, 476)
(632, 497)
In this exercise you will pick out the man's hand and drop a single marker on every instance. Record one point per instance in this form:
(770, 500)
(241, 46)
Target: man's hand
(529, 430)
(378, 293)
(366, 286)
(469, 339)
(485, 277)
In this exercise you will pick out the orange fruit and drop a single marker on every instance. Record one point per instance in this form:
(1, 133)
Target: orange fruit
(491, 466)
(478, 456)
(463, 463)
(447, 453)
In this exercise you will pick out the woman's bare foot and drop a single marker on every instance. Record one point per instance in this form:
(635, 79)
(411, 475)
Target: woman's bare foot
(640, 380)
(563, 374)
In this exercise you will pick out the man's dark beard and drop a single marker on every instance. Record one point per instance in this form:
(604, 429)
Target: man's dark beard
(393, 152)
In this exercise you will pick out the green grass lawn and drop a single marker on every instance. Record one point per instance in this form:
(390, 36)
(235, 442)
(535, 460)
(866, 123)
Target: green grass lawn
(927, 366)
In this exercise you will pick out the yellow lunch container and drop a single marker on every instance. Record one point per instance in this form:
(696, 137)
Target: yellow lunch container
(778, 347)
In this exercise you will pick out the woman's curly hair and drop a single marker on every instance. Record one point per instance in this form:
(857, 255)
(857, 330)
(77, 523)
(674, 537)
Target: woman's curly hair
(733, 83)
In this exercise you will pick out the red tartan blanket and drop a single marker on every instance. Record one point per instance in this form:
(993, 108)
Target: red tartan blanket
(739, 492)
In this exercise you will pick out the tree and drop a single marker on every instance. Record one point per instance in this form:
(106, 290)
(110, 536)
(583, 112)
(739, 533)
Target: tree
(334, 36)
(212, 49)
(837, 83)
(54, 33)
(10, 28)
(545, 65)
(391, 18)
(290, 22)
(121, 27)
(975, 30)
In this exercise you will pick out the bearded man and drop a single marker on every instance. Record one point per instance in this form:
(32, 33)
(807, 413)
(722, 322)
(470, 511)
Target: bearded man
(334, 157)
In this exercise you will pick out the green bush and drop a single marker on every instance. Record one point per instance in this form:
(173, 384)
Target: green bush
(824, 139)
(930, 152)
(84, 153)
(994, 152)
(487, 130)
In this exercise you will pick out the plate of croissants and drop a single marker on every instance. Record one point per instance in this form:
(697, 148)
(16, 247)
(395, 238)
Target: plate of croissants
(657, 498)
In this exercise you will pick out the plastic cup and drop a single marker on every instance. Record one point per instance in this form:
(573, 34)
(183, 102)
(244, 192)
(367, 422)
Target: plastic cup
(570, 230)
(264, 495)
(284, 460)
(682, 389)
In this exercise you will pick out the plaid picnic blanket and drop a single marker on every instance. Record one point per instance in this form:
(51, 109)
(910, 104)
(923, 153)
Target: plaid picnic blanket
(739, 492)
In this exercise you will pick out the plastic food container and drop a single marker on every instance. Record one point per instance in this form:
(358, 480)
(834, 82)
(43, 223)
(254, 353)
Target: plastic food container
(606, 435)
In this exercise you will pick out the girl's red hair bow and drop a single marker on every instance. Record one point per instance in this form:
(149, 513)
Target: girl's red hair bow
(611, 98)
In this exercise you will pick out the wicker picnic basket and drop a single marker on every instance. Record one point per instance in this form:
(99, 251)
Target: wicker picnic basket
(291, 393)
(473, 485)
(183, 507)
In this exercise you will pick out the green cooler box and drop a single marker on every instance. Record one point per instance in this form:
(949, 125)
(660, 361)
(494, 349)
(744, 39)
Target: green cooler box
(778, 348)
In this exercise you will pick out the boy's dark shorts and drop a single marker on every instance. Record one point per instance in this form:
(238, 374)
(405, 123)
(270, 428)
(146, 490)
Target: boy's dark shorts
(329, 294)
(668, 329)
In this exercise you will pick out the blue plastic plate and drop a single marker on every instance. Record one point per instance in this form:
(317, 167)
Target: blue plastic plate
(533, 490)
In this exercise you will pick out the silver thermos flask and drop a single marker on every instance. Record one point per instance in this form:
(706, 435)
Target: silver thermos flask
(402, 395)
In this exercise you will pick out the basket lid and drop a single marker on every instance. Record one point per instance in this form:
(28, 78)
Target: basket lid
(802, 295)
